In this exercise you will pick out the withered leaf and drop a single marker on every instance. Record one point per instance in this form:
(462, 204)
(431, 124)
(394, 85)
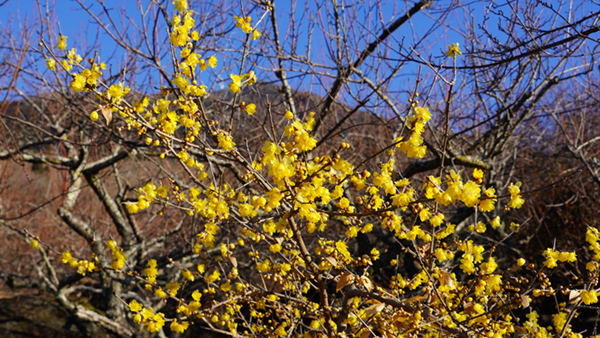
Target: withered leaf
(331, 260)
(446, 279)
(415, 299)
(373, 309)
(469, 307)
(366, 282)
(107, 113)
(574, 296)
(345, 279)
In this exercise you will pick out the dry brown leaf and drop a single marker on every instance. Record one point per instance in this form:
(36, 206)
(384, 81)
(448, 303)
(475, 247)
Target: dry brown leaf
(574, 296)
(366, 282)
(233, 261)
(345, 279)
(525, 301)
(107, 113)
(373, 309)
(469, 307)
(331, 260)
(415, 299)
(446, 279)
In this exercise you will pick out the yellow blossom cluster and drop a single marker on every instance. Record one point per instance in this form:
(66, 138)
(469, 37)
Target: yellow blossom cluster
(552, 257)
(516, 201)
(416, 122)
(117, 255)
(244, 24)
(153, 321)
(290, 192)
(82, 266)
(238, 81)
(146, 196)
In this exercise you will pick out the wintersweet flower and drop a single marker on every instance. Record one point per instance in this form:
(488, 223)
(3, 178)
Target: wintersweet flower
(516, 201)
(134, 306)
(236, 85)
(78, 83)
(589, 297)
(177, 327)
(470, 194)
(243, 23)
(51, 64)
(256, 35)
(66, 257)
(251, 109)
(181, 5)
(453, 51)
(188, 275)
(212, 61)
(35, 244)
(487, 204)
(62, 42)
(173, 288)
(225, 142)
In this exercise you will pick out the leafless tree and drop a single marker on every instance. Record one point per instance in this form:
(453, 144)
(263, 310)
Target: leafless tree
(526, 83)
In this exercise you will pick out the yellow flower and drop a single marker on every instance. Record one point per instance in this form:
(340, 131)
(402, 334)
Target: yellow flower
(225, 142)
(251, 109)
(66, 257)
(181, 5)
(591, 266)
(375, 254)
(137, 318)
(256, 35)
(488, 203)
(197, 295)
(477, 174)
(62, 42)
(589, 297)
(35, 244)
(289, 115)
(51, 64)
(160, 293)
(496, 222)
(173, 288)
(212, 61)
(437, 219)
(234, 87)
(78, 83)
(176, 327)
(151, 272)
(516, 201)
(213, 277)
(489, 266)
(134, 306)
(453, 51)
(243, 23)
(520, 261)
(188, 275)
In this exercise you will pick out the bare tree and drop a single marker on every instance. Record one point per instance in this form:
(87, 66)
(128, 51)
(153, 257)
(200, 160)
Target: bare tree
(131, 196)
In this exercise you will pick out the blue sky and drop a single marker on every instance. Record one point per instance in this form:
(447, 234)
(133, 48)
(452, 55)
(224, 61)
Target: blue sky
(74, 23)
(74, 20)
